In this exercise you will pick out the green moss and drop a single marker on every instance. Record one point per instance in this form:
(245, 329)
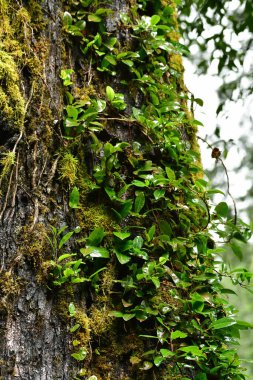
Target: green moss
(68, 168)
(95, 215)
(38, 21)
(18, 25)
(7, 161)
(100, 319)
(10, 287)
(12, 104)
(83, 333)
(34, 244)
(62, 299)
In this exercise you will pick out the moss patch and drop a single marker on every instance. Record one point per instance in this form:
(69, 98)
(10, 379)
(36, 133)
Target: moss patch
(12, 104)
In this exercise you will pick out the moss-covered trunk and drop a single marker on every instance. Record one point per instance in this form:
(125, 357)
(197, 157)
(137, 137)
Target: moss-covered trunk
(95, 135)
(34, 341)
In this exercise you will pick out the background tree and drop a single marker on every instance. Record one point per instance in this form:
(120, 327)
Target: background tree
(129, 290)
(221, 39)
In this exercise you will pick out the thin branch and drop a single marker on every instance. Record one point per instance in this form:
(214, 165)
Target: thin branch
(227, 177)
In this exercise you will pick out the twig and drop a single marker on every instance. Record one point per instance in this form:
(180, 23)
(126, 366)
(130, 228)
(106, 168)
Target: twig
(36, 213)
(7, 195)
(16, 182)
(25, 111)
(228, 191)
(53, 170)
(89, 73)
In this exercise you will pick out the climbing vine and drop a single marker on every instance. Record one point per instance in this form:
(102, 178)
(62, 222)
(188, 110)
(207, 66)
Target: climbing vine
(153, 267)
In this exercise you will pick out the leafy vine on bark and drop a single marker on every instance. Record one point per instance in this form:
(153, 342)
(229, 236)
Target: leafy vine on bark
(165, 287)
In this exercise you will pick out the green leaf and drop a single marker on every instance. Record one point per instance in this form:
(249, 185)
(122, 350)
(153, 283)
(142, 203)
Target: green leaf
(96, 236)
(128, 62)
(138, 183)
(78, 280)
(228, 291)
(101, 105)
(95, 273)
(72, 309)
(68, 272)
(66, 76)
(126, 208)
(151, 232)
(178, 334)
(170, 173)
(146, 366)
(94, 18)
(85, 3)
(62, 229)
(139, 201)
(158, 360)
(74, 198)
(154, 98)
(223, 323)
(67, 19)
(166, 353)
(65, 238)
(117, 314)
(127, 317)
(222, 209)
(237, 250)
(96, 252)
(201, 376)
(81, 25)
(165, 228)
(65, 256)
(72, 111)
(74, 328)
(80, 355)
(138, 242)
(103, 11)
(242, 325)
(110, 93)
(215, 191)
(156, 282)
(111, 42)
(199, 101)
(122, 235)
(111, 59)
(155, 19)
(194, 350)
(159, 193)
(123, 259)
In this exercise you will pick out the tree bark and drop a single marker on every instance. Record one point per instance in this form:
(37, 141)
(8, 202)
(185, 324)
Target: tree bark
(34, 340)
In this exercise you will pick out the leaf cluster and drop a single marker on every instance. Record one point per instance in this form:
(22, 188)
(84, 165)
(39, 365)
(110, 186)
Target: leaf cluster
(168, 278)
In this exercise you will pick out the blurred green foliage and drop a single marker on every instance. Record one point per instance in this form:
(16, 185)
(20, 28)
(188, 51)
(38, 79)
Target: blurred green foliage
(220, 32)
(223, 32)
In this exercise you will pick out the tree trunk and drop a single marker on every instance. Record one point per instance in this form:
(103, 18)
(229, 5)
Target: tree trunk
(119, 172)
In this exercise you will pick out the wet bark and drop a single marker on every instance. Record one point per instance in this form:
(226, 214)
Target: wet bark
(34, 340)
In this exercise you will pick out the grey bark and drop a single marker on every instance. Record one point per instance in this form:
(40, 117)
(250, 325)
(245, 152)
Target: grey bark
(34, 343)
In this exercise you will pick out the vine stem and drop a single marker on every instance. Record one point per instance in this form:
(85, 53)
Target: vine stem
(227, 177)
